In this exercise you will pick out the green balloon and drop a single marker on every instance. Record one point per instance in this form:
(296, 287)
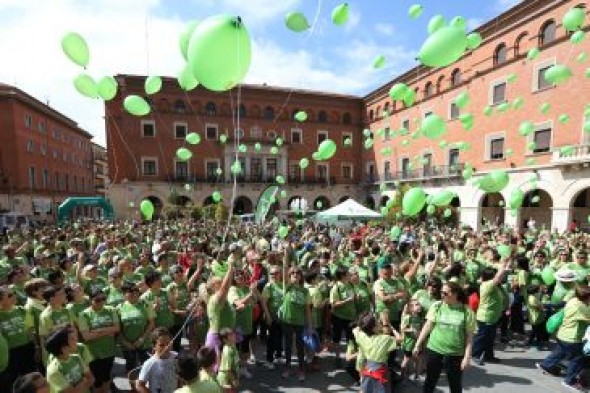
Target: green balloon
(526, 128)
(147, 209)
(545, 108)
(327, 149)
(415, 11)
(503, 107)
(443, 144)
(504, 250)
(548, 275)
(76, 49)
(582, 57)
(301, 116)
(430, 209)
(459, 22)
(535, 199)
(436, 23)
(86, 86)
(447, 213)
(184, 154)
(533, 54)
(279, 142)
(563, 119)
(236, 168)
(340, 14)
(243, 148)
(567, 151)
(316, 156)
(107, 88)
(467, 173)
(379, 62)
(444, 47)
(222, 138)
(186, 79)
(136, 105)
(369, 143)
(517, 103)
(153, 84)
(216, 196)
(413, 201)
(395, 232)
(558, 74)
(283, 194)
(462, 100)
(409, 98)
(474, 40)
(274, 150)
(574, 18)
(578, 37)
(516, 199)
(219, 52)
(512, 78)
(443, 198)
(280, 179)
(296, 22)
(532, 145)
(488, 110)
(434, 127)
(257, 146)
(185, 38)
(303, 163)
(187, 187)
(193, 138)
(398, 91)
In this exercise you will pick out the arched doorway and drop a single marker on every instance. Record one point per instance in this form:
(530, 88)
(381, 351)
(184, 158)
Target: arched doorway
(343, 199)
(321, 203)
(537, 205)
(243, 205)
(580, 209)
(492, 209)
(158, 205)
(384, 200)
(275, 207)
(370, 202)
(208, 201)
(183, 201)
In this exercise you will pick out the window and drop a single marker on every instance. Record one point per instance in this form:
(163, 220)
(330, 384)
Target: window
(42, 127)
(295, 172)
(540, 69)
(28, 121)
(387, 170)
(210, 109)
(386, 109)
(428, 90)
(180, 130)
(345, 136)
(427, 164)
(347, 171)
(179, 106)
(322, 117)
(322, 136)
(454, 111)
(405, 167)
(256, 132)
(427, 113)
(498, 93)
(211, 132)
(149, 166)
(55, 154)
(371, 115)
(271, 168)
(542, 139)
(242, 111)
(322, 171)
(518, 44)
(346, 118)
(43, 149)
(211, 169)
(547, 33)
(67, 182)
(453, 157)
(456, 77)
(406, 124)
(386, 134)
(500, 54)
(296, 136)
(148, 129)
(269, 113)
(256, 167)
(30, 146)
(181, 169)
(65, 156)
(496, 148)
(31, 177)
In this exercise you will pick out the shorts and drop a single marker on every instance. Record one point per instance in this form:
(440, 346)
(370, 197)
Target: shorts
(101, 369)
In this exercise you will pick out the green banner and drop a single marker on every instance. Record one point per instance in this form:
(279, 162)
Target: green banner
(266, 200)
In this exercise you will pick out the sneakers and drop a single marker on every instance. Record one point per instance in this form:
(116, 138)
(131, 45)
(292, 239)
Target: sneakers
(479, 361)
(245, 373)
(268, 365)
(575, 387)
(301, 376)
(554, 372)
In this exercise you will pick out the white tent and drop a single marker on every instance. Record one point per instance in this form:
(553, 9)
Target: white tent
(347, 210)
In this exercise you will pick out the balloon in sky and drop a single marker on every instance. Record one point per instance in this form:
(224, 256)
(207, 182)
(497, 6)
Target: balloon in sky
(107, 88)
(340, 14)
(193, 138)
(434, 127)
(184, 154)
(296, 22)
(379, 62)
(327, 149)
(219, 52)
(76, 49)
(153, 84)
(415, 11)
(459, 22)
(185, 38)
(136, 105)
(301, 116)
(147, 208)
(558, 74)
(474, 40)
(86, 86)
(574, 18)
(436, 23)
(443, 47)
(186, 79)
(303, 163)
(413, 201)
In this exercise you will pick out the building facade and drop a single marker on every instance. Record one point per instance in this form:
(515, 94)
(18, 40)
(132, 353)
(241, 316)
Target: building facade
(142, 151)
(551, 164)
(100, 170)
(44, 156)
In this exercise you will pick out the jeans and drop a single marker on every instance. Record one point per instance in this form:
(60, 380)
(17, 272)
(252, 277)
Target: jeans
(435, 362)
(274, 342)
(288, 332)
(483, 341)
(570, 351)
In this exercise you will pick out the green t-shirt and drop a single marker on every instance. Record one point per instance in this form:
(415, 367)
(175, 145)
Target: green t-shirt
(414, 322)
(134, 320)
(164, 316)
(16, 326)
(424, 298)
(535, 309)
(273, 294)
(316, 298)
(374, 348)
(340, 292)
(296, 300)
(363, 297)
(114, 296)
(389, 287)
(243, 316)
(89, 320)
(451, 325)
(4, 354)
(221, 315)
(472, 271)
(200, 386)
(229, 365)
(69, 373)
(576, 319)
(490, 303)
(180, 293)
(51, 319)
(98, 283)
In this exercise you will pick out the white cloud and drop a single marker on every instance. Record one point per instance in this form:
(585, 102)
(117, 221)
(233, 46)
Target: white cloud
(385, 29)
(354, 20)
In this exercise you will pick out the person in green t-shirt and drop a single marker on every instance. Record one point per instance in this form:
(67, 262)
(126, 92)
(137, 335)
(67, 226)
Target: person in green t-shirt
(98, 326)
(342, 300)
(54, 316)
(159, 299)
(137, 322)
(221, 314)
(448, 334)
(272, 296)
(188, 370)
(412, 322)
(538, 335)
(389, 294)
(113, 290)
(178, 291)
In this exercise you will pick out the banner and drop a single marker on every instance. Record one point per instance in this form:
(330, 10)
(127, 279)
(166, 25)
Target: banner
(266, 200)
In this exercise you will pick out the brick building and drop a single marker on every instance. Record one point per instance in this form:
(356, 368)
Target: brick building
(497, 75)
(100, 169)
(44, 156)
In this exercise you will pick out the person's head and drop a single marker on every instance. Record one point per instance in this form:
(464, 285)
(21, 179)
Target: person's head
(187, 367)
(414, 307)
(487, 274)
(452, 293)
(162, 339)
(434, 286)
(563, 254)
(522, 263)
(153, 279)
(581, 257)
(16, 275)
(130, 291)
(31, 383)
(296, 276)
(341, 274)
(227, 336)
(7, 298)
(97, 298)
(311, 278)
(74, 293)
(177, 274)
(533, 289)
(54, 295)
(275, 273)
(354, 275)
(58, 342)
(115, 277)
(206, 358)
(34, 287)
(583, 293)
(367, 323)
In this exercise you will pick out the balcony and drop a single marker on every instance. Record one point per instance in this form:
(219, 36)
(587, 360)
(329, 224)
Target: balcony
(424, 173)
(252, 179)
(573, 155)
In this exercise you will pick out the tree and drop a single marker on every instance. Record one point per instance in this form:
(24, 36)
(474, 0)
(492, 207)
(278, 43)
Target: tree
(221, 212)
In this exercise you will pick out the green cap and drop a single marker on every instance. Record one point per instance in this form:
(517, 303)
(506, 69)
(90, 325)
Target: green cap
(384, 262)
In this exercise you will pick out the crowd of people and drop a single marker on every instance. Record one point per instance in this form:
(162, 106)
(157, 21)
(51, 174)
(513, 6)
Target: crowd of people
(189, 304)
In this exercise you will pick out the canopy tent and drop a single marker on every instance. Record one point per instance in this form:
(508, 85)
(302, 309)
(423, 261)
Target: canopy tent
(347, 210)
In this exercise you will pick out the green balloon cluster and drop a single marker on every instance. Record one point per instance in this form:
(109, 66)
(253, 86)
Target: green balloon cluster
(153, 84)
(193, 138)
(147, 209)
(495, 181)
(297, 22)
(340, 14)
(136, 105)
(401, 92)
(219, 52)
(413, 201)
(76, 49)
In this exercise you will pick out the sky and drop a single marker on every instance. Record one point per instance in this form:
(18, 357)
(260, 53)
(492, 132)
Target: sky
(141, 37)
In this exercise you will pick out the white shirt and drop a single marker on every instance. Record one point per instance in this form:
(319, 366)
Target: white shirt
(160, 374)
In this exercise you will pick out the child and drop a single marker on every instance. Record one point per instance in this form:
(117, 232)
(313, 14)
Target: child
(206, 357)
(411, 324)
(229, 364)
(198, 326)
(158, 373)
(538, 335)
(188, 372)
(354, 362)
